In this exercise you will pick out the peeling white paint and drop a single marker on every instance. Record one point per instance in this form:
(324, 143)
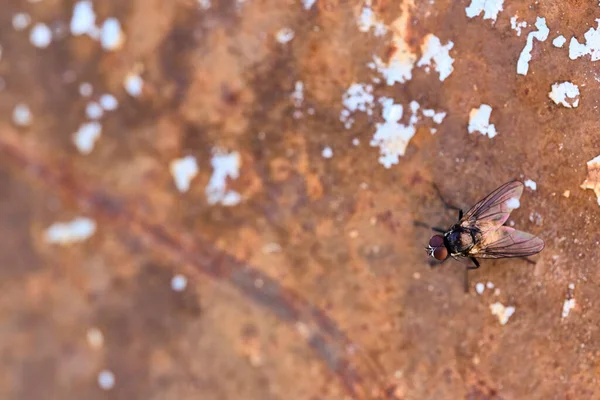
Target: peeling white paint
(22, 115)
(298, 94)
(109, 102)
(112, 37)
(530, 184)
(86, 136)
(225, 165)
(178, 283)
(106, 379)
(434, 52)
(358, 97)
(95, 338)
(559, 41)
(593, 177)
(93, 110)
(183, 171)
(541, 35)
(503, 313)
(513, 203)
(516, 25)
(436, 117)
(134, 84)
(489, 8)
(479, 121)
(391, 136)
(479, 287)
(327, 152)
(284, 35)
(308, 4)
(21, 21)
(591, 46)
(568, 305)
(565, 94)
(40, 36)
(78, 230)
(204, 4)
(86, 89)
(368, 20)
(83, 20)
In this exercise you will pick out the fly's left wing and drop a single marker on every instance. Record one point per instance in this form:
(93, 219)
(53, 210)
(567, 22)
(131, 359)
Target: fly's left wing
(492, 211)
(506, 242)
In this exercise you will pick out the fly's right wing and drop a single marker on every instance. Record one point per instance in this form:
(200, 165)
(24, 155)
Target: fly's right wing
(507, 242)
(492, 211)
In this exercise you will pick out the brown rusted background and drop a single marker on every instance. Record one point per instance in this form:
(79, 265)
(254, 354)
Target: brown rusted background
(349, 307)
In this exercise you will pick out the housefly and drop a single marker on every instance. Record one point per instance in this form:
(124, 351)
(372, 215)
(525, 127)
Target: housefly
(481, 233)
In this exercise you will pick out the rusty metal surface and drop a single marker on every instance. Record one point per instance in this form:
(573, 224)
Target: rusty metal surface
(316, 285)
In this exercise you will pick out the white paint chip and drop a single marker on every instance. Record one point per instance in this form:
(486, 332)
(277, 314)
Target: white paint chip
(391, 136)
(513, 203)
(530, 184)
(78, 230)
(541, 34)
(83, 20)
(503, 313)
(568, 305)
(479, 287)
(133, 84)
(178, 283)
(40, 36)
(225, 165)
(284, 35)
(22, 115)
(86, 136)
(565, 94)
(308, 4)
(438, 55)
(489, 8)
(591, 46)
(559, 41)
(516, 25)
(489, 285)
(86, 89)
(183, 171)
(204, 4)
(327, 152)
(111, 36)
(358, 97)
(21, 21)
(109, 102)
(95, 338)
(592, 180)
(93, 110)
(106, 379)
(479, 121)
(368, 20)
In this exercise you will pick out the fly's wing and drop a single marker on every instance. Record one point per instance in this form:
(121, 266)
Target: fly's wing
(492, 212)
(507, 242)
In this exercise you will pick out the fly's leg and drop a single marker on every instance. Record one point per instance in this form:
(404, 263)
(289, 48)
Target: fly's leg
(474, 266)
(446, 203)
(528, 260)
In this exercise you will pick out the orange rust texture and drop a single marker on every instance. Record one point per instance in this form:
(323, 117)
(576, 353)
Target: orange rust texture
(348, 307)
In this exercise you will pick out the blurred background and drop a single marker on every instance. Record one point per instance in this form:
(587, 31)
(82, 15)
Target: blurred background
(216, 199)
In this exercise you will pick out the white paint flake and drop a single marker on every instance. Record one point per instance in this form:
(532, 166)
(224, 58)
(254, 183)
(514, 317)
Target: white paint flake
(106, 379)
(541, 35)
(95, 338)
(489, 8)
(559, 41)
(516, 25)
(178, 283)
(530, 184)
(133, 84)
(591, 46)
(40, 36)
(308, 4)
(503, 313)
(111, 36)
(86, 136)
(368, 20)
(479, 121)
(284, 35)
(225, 165)
(489, 285)
(436, 117)
(86, 89)
(391, 136)
(93, 110)
(358, 97)
(592, 180)
(434, 52)
(565, 94)
(78, 230)
(183, 171)
(298, 94)
(109, 102)
(84, 19)
(479, 287)
(569, 303)
(204, 4)
(22, 115)
(21, 21)
(513, 203)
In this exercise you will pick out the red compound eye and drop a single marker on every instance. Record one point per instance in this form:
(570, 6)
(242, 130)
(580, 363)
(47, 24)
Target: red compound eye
(440, 253)
(436, 241)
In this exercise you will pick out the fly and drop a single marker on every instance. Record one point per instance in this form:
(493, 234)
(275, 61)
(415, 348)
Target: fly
(481, 233)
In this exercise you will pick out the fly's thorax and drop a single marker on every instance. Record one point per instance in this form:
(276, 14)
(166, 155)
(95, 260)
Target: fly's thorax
(459, 240)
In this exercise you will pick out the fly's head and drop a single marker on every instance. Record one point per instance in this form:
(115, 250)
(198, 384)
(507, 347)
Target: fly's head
(436, 248)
